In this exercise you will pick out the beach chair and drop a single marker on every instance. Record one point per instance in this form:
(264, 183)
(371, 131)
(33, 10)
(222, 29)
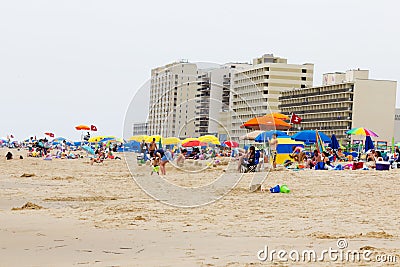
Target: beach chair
(252, 167)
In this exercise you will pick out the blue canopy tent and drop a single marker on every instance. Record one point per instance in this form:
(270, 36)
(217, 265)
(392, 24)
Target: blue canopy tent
(309, 137)
(264, 136)
(132, 146)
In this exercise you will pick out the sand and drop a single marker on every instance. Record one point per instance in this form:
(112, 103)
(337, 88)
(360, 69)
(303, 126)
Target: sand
(67, 212)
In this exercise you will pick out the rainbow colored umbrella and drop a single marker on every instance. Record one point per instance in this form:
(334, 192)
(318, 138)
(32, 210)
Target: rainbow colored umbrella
(361, 131)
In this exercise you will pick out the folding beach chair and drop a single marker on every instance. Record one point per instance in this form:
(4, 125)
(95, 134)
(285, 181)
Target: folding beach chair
(251, 167)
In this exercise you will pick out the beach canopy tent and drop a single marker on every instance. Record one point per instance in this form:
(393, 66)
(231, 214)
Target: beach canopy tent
(189, 139)
(265, 136)
(132, 146)
(251, 135)
(285, 148)
(266, 123)
(310, 137)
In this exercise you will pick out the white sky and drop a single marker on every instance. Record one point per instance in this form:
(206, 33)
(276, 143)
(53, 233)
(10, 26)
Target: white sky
(64, 63)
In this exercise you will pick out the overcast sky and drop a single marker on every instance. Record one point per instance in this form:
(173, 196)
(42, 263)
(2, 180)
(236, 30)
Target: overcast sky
(64, 63)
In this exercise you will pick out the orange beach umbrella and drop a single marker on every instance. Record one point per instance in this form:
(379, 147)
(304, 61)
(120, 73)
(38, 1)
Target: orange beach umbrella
(266, 123)
(82, 127)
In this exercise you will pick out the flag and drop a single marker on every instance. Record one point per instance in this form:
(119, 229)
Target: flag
(49, 134)
(319, 144)
(295, 119)
(93, 128)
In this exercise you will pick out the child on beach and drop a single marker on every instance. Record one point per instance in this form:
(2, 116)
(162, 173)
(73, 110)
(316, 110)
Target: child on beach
(155, 162)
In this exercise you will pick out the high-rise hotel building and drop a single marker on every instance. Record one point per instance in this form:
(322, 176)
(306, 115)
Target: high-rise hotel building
(344, 101)
(256, 89)
(173, 89)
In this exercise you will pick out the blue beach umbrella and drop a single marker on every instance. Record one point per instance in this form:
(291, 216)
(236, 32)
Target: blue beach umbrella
(335, 143)
(264, 136)
(369, 144)
(88, 149)
(309, 137)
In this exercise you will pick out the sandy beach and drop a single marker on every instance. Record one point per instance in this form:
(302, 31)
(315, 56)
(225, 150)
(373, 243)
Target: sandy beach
(85, 215)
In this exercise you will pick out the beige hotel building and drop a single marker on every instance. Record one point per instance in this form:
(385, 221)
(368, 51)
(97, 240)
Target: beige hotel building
(344, 101)
(257, 88)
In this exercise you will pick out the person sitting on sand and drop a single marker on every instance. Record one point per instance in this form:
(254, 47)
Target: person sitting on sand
(340, 155)
(181, 158)
(9, 155)
(298, 154)
(99, 159)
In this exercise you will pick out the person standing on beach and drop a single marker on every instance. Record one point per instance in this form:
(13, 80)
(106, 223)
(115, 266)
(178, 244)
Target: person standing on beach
(152, 147)
(143, 149)
(165, 158)
(273, 144)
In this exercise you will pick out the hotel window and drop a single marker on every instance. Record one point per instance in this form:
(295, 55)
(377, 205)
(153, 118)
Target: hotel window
(304, 71)
(303, 78)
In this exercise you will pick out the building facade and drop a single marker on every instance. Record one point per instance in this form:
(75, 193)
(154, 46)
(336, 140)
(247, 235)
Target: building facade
(256, 89)
(397, 126)
(344, 101)
(172, 99)
(139, 128)
(213, 97)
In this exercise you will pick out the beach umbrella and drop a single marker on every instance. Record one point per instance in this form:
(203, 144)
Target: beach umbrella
(264, 136)
(56, 140)
(266, 123)
(88, 149)
(361, 131)
(189, 139)
(82, 127)
(209, 139)
(96, 139)
(138, 138)
(171, 140)
(319, 143)
(194, 143)
(309, 137)
(231, 144)
(278, 115)
(369, 144)
(106, 139)
(251, 135)
(334, 142)
(150, 138)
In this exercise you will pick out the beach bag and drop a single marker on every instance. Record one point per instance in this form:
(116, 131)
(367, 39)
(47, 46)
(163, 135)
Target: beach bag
(358, 165)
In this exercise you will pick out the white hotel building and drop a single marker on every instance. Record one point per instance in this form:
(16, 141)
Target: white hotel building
(257, 88)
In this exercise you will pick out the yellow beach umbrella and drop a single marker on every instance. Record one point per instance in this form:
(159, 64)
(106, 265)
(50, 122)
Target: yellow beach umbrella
(95, 139)
(150, 138)
(171, 141)
(138, 138)
(208, 139)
